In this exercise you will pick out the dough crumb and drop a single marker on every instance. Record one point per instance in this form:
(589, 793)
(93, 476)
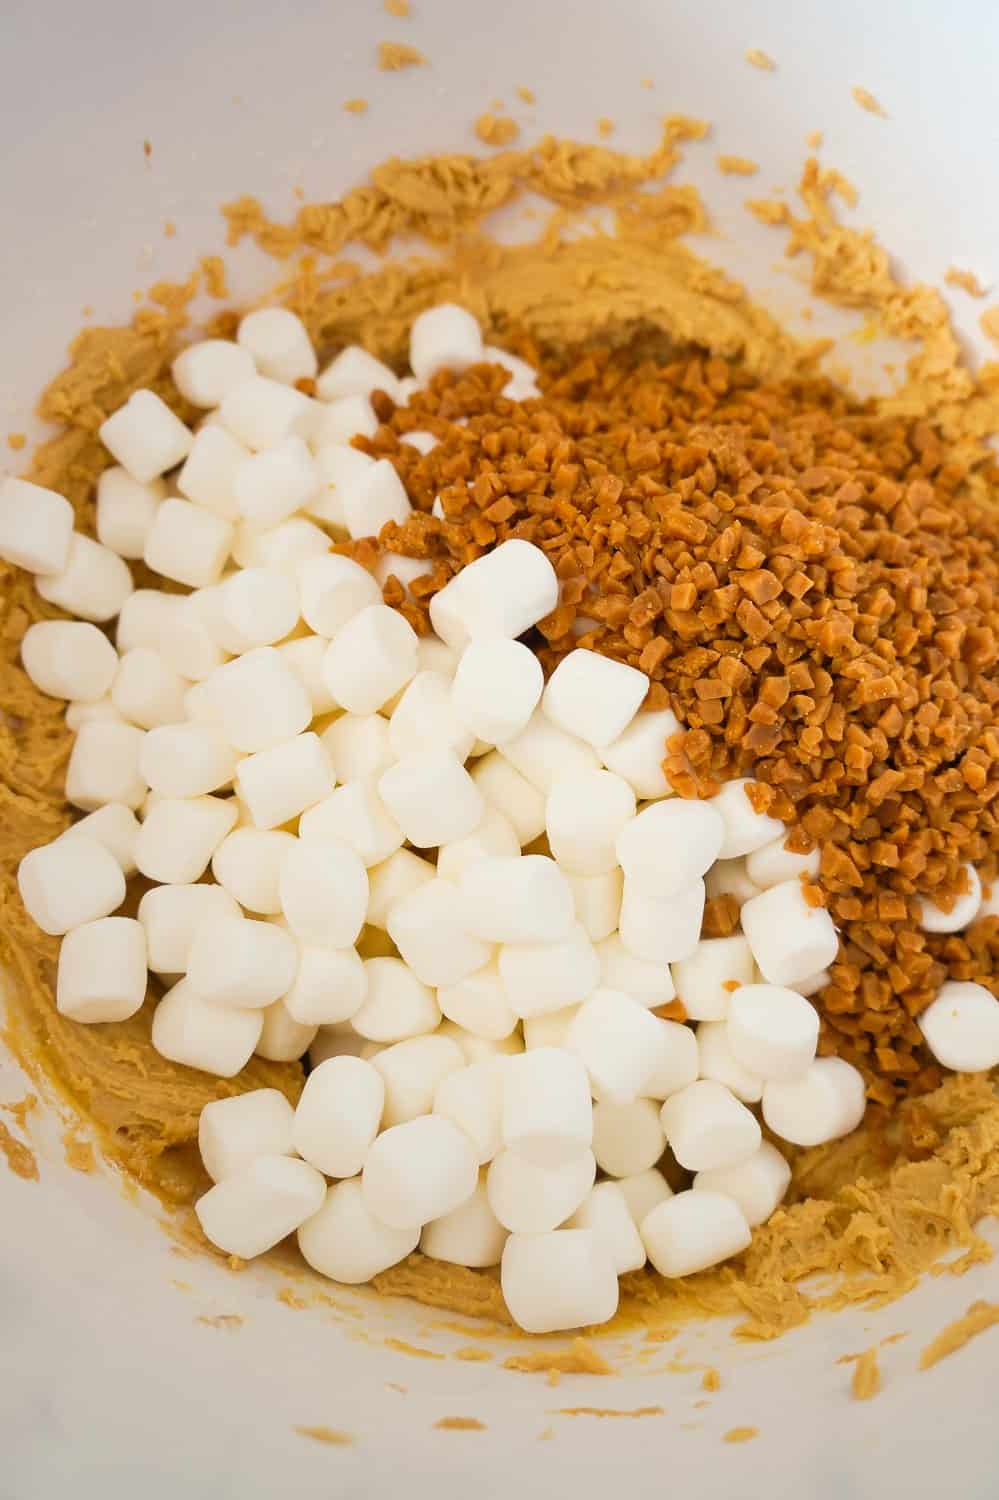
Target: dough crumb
(472, 1354)
(738, 166)
(19, 1157)
(397, 8)
(979, 1317)
(169, 229)
(290, 1298)
(646, 83)
(496, 130)
(79, 1152)
(579, 1359)
(966, 280)
(741, 1434)
(762, 60)
(415, 1349)
(546, 1434)
(866, 1381)
(355, 106)
(605, 126)
(989, 323)
(525, 94)
(21, 1108)
(711, 1380)
(16, 440)
(213, 270)
(459, 1424)
(393, 56)
(610, 1411)
(332, 1436)
(867, 101)
(814, 139)
(229, 1322)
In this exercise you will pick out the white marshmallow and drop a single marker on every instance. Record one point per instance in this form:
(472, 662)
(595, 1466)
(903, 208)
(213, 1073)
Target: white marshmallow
(188, 543)
(665, 929)
(372, 656)
(544, 754)
(772, 1031)
(104, 766)
(585, 813)
(481, 1048)
(378, 497)
(729, 877)
(772, 864)
(216, 1039)
(392, 880)
(191, 645)
(547, 1116)
(757, 1186)
(716, 1060)
(478, 1003)
(470, 1235)
(256, 1208)
(614, 1037)
(397, 1005)
(330, 986)
(94, 583)
(116, 827)
(282, 1038)
(412, 1072)
(424, 719)
(341, 469)
(494, 835)
(279, 784)
(102, 711)
(515, 899)
(405, 569)
(826, 1103)
(627, 1138)
(673, 1061)
(278, 343)
(304, 657)
(258, 700)
(233, 1133)
(261, 412)
(445, 337)
(539, 977)
(206, 372)
(705, 980)
(171, 915)
(235, 962)
(502, 593)
(36, 527)
(643, 1192)
(247, 863)
(471, 1097)
(606, 1212)
(69, 882)
(126, 510)
(745, 828)
(427, 928)
(435, 655)
(510, 793)
(418, 1171)
(179, 836)
(790, 939)
(358, 745)
(522, 375)
(286, 546)
(345, 1241)
(146, 691)
(324, 893)
(639, 751)
(356, 815)
(69, 659)
(556, 1281)
(145, 436)
(706, 1126)
(668, 846)
(186, 760)
(530, 1199)
(812, 983)
(648, 982)
(593, 697)
(341, 420)
(692, 1231)
(355, 372)
(549, 1029)
(933, 918)
(496, 688)
(338, 1114)
(102, 971)
(260, 605)
(961, 1027)
(431, 796)
(333, 590)
(270, 486)
(145, 617)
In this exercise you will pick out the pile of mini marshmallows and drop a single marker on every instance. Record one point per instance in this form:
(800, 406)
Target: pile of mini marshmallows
(479, 1021)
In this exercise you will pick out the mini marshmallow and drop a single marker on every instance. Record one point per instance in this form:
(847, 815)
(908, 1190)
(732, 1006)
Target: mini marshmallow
(673, 1061)
(638, 753)
(68, 883)
(445, 337)
(933, 918)
(262, 412)
(549, 1029)
(235, 962)
(371, 658)
(644, 1191)
(648, 982)
(556, 1281)
(116, 827)
(346, 1242)
(126, 510)
(716, 1060)
(405, 569)
(606, 1213)
(510, 793)
(539, 977)
(102, 711)
(247, 864)
(705, 980)
(392, 880)
(191, 645)
(69, 659)
(146, 691)
(593, 697)
(614, 1037)
(186, 760)
(233, 1133)
(585, 813)
(145, 436)
(256, 1208)
(515, 899)
(790, 939)
(188, 543)
(285, 546)
(213, 1038)
(668, 846)
(206, 372)
(341, 469)
(812, 983)
(277, 342)
(339, 1040)
(258, 700)
(171, 915)
(145, 617)
(435, 655)
(412, 1071)
(757, 1185)
(104, 766)
(36, 527)
(359, 746)
(496, 688)
(471, 1097)
(341, 420)
(397, 1006)
(355, 372)
(102, 971)
(424, 719)
(745, 828)
(357, 816)
(338, 1114)
(305, 656)
(179, 836)
(627, 1138)
(773, 864)
(522, 375)
(772, 1031)
(493, 836)
(547, 1116)
(824, 1104)
(260, 605)
(706, 1126)
(282, 1038)
(470, 1235)
(269, 486)
(428, 929)
(418, 1171)
(961, 1027)
(431, 796)
(479, 1004)
(730, 877)
(694, 1230)
(480, 1048)
(664, 930)
(530, 1199)
(378, 497)
(544, 754)
(333, 590)
(279, 784)
(502, 593)
(330, 986)
(94, 583)
(324, 893)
